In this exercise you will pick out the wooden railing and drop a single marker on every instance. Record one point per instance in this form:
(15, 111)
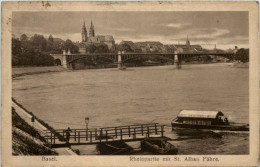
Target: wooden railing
(106, 134)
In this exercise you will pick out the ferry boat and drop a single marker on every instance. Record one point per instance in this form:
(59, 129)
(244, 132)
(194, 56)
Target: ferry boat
(215, 120)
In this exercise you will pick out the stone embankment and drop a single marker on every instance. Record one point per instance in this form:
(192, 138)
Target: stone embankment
(28, 136)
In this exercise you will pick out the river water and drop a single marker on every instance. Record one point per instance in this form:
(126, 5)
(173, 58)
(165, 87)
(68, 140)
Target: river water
(110, 97)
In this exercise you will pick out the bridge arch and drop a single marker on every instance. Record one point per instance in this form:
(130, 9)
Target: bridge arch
(57, 62)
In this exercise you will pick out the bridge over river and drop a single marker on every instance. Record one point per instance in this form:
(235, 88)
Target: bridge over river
(120, 58)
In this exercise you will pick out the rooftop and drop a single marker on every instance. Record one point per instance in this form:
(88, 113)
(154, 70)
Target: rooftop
(200, 114)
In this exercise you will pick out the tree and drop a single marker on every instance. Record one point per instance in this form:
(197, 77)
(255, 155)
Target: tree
(50, 39)
(125, 47)
(39, 42)
(50, 43)
(16, 50)
(91, 48)
(57, 47)
(29, 52)
(69, 45)
(242, 55)
(23, 37)
(102, 48)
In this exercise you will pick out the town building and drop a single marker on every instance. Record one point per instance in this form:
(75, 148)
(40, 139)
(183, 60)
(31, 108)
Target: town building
(92, 38)
(150, 46)
(168, 49)
(188, 47)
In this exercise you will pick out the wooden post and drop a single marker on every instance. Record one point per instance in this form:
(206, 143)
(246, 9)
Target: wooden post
(162, 130)
(90, 136)
(51, 137)
(134, 134)
(54, 138)
(95, 134)
(106, 136)
(121, 133)
(155, 129)
(100, 136)
(148, 131)
(142, 128)
(101, 132)
(116, 131)
(87, 134)
(75, 135)
(129, 131)
(78, 137)
(63, 133)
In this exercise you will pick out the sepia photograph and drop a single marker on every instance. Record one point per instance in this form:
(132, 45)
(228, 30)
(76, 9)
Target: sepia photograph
(134, 84)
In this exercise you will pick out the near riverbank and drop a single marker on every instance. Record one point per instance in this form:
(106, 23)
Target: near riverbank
(28, 136)
(27, 140)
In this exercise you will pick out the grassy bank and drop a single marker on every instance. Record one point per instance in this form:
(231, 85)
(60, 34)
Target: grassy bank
(26, 140)
(60, 137)
(21, 71)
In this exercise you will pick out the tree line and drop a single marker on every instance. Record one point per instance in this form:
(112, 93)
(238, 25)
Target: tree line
(34, 51)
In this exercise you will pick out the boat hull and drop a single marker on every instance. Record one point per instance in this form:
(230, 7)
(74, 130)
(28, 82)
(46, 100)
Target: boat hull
(149, 145)
(211, 127)
(114, 148)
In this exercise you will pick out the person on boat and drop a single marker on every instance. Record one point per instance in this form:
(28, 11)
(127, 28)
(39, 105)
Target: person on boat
(68, 134)
(226, 120)
(220, 119)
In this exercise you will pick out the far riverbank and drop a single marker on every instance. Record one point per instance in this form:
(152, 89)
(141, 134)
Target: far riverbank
(241, 64)
(21, 71)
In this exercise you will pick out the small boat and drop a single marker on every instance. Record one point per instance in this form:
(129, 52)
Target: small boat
(114, 148)
(214, 120)
(158, 146)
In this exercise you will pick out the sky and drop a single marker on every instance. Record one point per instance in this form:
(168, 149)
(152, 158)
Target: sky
(225, 29)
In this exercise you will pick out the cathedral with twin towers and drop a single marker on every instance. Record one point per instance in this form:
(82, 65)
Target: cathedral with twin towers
(92, 38)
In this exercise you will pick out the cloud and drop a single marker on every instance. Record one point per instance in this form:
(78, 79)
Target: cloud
(209, 32)
(166, 27)
(124, 29)
(178, 25)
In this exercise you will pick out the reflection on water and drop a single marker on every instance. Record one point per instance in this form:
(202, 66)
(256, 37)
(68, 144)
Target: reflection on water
(111, 97)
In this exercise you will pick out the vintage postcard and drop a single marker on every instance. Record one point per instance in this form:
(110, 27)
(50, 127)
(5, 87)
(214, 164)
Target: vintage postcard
(130, 84)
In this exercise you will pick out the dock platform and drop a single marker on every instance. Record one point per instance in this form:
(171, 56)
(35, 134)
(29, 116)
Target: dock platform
(59, 137)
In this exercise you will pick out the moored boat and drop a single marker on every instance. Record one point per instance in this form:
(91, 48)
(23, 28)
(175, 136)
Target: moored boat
(114, 148)
(214, 120)
(158, 146)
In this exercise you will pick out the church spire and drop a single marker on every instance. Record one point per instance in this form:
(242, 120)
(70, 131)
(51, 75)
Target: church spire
(84, 33)
(188, 42)
(91, 30)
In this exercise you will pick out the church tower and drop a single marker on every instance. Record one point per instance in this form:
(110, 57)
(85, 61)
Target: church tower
(91, 30)
(84, 33)
(188, 42)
